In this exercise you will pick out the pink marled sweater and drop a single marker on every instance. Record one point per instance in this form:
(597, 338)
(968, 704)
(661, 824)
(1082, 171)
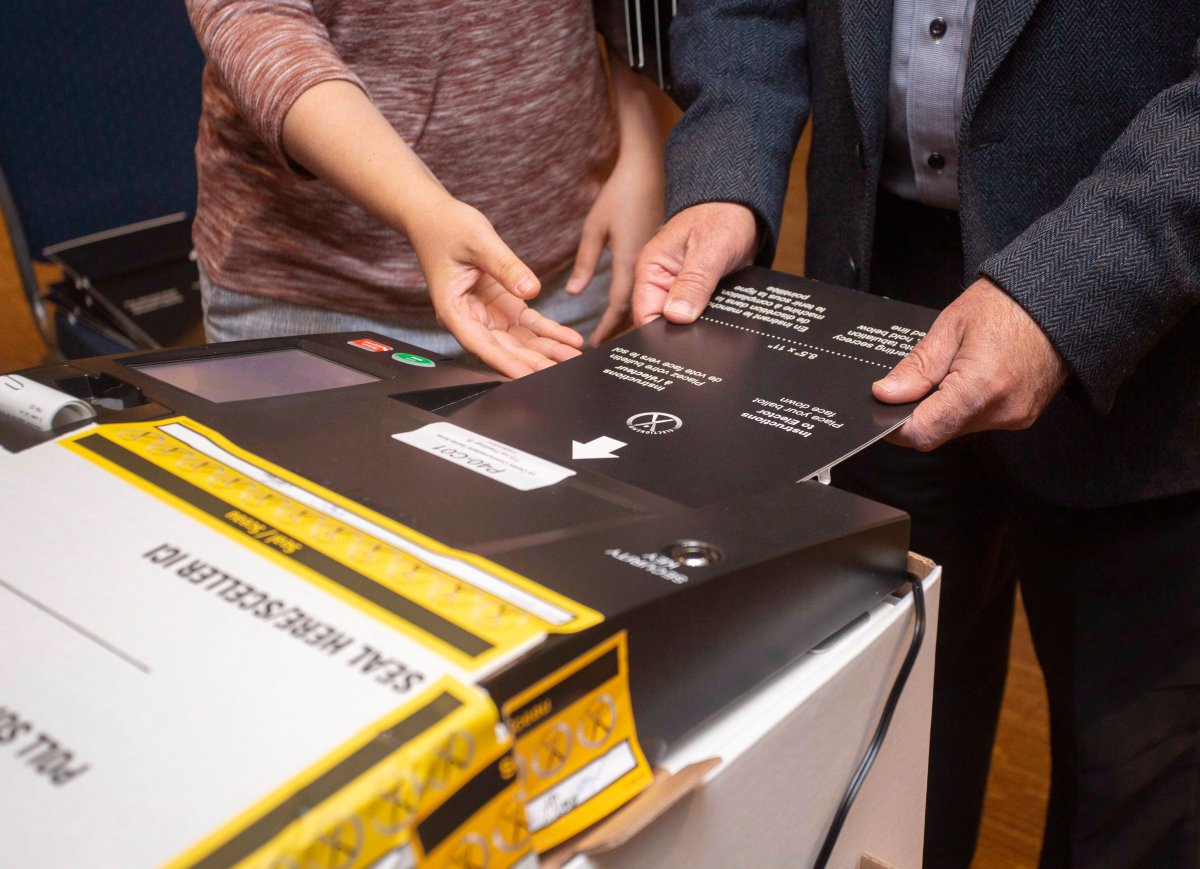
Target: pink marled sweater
(506, 102)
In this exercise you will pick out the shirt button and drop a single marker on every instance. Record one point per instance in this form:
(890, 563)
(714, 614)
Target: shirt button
(936, 161)
(937, 28)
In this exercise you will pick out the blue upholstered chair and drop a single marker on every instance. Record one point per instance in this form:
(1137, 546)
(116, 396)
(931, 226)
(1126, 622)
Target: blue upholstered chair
(99, 105)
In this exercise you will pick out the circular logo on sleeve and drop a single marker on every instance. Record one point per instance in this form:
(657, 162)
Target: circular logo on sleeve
(654, 423)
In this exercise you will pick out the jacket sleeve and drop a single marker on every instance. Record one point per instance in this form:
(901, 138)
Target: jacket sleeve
(267, 53)
(741, 74)
(1113, 269)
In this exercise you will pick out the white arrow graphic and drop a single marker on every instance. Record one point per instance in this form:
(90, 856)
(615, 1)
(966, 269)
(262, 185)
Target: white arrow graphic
(600, 448)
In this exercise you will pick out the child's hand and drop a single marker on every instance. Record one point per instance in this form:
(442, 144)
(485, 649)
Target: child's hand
(623, 218)
(479, 287)
(629, 209)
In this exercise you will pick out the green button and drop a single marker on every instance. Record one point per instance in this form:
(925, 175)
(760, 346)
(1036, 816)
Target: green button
(413, 359)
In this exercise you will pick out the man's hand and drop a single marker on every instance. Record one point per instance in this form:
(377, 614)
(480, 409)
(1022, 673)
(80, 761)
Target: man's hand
(992, 365)
(679, 268)
(479, 287)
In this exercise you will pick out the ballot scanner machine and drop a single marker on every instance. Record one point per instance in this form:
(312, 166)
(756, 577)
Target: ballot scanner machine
(336, 601)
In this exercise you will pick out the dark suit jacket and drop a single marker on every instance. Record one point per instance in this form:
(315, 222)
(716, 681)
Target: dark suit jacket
(1079, 185)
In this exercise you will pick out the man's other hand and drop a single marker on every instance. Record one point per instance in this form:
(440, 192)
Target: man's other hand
(678, 269)
(991, 365)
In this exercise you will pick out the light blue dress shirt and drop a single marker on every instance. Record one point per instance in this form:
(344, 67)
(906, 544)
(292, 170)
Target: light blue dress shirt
(930, 39)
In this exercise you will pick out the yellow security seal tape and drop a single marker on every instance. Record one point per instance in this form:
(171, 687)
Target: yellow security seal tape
(576, 744)
(469, 610)
(438, 782)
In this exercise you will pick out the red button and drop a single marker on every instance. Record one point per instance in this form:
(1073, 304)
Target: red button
(369, 344)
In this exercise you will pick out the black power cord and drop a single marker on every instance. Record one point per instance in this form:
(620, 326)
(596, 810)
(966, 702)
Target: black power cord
(889, 708)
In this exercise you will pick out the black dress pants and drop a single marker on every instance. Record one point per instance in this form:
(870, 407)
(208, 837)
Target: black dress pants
(1113, 598)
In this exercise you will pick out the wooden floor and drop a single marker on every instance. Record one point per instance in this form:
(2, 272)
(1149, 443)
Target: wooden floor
(20, 343)
(1020, 763)
(1019, 783)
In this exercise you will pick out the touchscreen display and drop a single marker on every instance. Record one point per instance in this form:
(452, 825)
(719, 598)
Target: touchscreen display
(255, 375)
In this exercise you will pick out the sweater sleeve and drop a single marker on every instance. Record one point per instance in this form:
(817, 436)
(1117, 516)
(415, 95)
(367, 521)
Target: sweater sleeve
(1109, 272)
(267, 53)
(740, 72)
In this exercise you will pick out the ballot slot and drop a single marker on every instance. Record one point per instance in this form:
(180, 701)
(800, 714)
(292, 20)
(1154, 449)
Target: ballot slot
(443, 397)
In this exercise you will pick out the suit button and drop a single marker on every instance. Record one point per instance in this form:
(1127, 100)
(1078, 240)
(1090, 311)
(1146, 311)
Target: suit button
(937, 28)
(936, 161)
